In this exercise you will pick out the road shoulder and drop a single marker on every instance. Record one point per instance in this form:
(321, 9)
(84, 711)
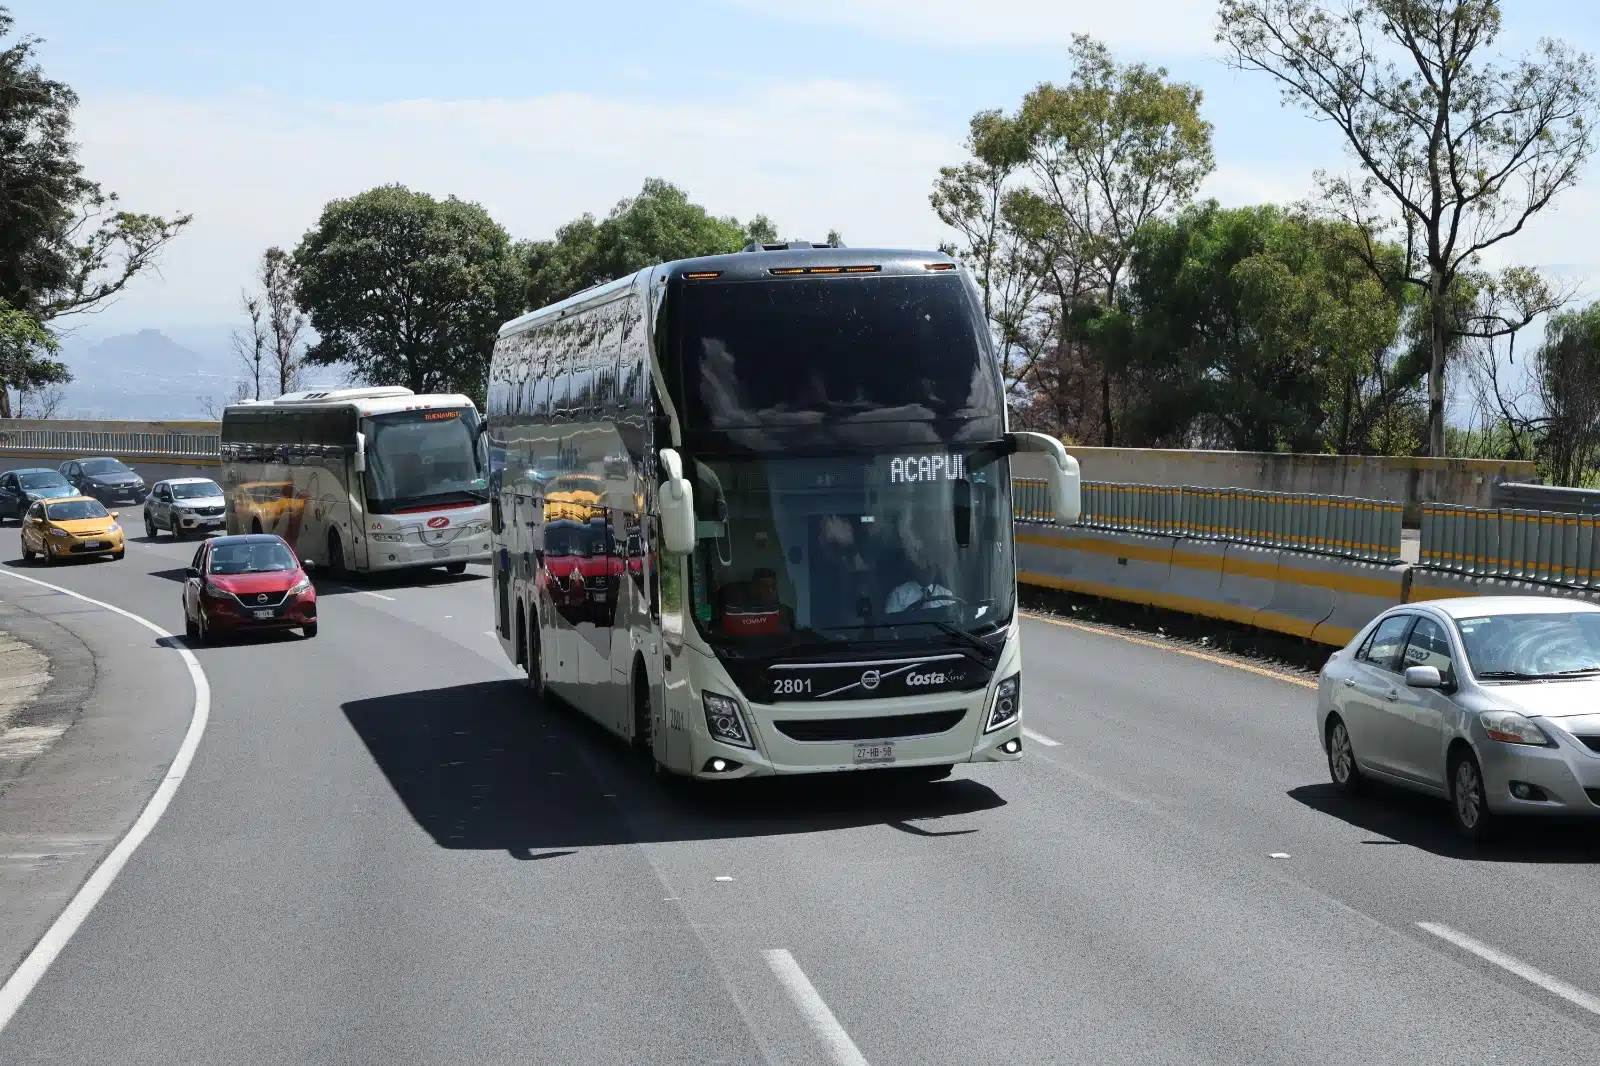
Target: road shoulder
(105, 728)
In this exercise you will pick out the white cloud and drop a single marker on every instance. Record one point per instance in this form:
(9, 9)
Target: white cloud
(256, 169)
(1165, 26)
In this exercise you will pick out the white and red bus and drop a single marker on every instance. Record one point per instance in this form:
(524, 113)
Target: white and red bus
(360, 479)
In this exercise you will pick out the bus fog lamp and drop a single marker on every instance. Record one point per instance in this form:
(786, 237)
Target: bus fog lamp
(725, 721)
(1007, 703)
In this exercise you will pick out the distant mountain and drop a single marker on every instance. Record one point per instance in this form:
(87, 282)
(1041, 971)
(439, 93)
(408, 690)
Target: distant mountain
(150, 375)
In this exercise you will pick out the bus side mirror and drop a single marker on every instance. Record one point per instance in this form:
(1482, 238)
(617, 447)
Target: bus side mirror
(359, 462)
(1061, 474)
(677, 506)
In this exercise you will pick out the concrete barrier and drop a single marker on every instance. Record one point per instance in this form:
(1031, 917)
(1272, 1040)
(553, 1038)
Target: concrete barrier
(1361, 591)
(150, 470)
(1317, 597)
(1444, 585)
(1195, 581)
(1129, 567)
(1249, 575)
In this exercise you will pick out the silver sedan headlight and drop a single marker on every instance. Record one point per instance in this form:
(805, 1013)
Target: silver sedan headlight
(1509, 727)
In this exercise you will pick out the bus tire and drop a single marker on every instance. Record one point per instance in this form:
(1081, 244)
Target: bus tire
(336, 564)
(455, 568)
(643, 721)
(533, 658)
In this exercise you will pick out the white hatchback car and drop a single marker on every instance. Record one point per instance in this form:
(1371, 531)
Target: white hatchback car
(184, 505)
(1492, 702)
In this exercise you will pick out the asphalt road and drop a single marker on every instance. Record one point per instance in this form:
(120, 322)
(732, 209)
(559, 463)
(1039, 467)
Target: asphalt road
(385, 852)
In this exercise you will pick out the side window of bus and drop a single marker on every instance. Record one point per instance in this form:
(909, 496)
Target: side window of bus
(538, 383)
(585, 352)
(560, 369)
(605, 371)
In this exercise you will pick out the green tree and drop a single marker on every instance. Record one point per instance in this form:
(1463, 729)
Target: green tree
(65, 245)
(659, 225)
(975, 199)
(1458, 149)
(1113, 149)
(1255, 329)
(407, 289)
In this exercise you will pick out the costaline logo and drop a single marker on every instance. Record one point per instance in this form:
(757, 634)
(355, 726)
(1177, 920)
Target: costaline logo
(932, 678)
(438, 523)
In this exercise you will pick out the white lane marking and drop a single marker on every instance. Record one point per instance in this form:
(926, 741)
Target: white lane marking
(375, 595)
(804, 996)
(21, 982)
(1040, 738)
(1556, 986)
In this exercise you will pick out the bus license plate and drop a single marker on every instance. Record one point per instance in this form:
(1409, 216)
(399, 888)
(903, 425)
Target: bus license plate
(263, 614)
(866, 753)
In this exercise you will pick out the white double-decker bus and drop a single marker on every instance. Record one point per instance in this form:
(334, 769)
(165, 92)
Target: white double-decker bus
(753, 512)
(360, 479)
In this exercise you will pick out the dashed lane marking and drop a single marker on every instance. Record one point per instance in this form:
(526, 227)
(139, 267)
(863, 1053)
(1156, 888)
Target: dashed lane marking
(809, 1002)
(1220, 660)
(1040, 738)
(1554, 985)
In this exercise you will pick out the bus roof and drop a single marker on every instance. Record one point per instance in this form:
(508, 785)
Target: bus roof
(788, 260)
(374, 401)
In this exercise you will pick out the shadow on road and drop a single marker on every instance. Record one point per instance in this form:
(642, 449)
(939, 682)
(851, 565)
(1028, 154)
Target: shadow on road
(1403, 817)
(482, 766)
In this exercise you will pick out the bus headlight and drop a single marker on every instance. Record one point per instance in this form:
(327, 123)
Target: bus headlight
(1007, 703)
(725, 721)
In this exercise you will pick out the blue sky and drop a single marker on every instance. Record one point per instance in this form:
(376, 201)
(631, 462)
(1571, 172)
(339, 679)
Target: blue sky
(823, 113)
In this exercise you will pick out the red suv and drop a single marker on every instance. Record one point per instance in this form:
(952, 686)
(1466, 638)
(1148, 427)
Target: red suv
(248, 583)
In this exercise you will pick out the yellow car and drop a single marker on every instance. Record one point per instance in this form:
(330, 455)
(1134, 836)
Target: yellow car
(74, 526)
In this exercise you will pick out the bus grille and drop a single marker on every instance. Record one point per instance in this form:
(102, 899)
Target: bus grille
(883, 727)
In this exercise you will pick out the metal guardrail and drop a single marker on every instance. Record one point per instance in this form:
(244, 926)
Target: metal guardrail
(1366, 530)
(1558, 499)
(1544, 546)
(123, 444)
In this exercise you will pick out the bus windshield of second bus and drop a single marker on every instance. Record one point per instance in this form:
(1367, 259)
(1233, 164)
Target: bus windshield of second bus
(422, 459)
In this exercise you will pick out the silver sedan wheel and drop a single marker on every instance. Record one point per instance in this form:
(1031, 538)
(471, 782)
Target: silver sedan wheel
(1468, 795)
(1341, 759)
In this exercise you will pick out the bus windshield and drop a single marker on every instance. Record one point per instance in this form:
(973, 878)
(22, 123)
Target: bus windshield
(420, 459)
(798, 352)
(852, 547)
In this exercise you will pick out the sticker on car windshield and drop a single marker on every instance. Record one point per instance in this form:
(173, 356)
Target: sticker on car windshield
(1468, 623)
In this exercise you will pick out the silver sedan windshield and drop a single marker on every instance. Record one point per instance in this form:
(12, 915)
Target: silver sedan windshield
(1527, 646)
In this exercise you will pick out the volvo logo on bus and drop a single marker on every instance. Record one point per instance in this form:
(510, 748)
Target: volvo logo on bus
(870, 679)
(438, 523)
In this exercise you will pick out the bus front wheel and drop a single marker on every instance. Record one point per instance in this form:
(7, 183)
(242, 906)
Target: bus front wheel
(336, 564)
(535, 660)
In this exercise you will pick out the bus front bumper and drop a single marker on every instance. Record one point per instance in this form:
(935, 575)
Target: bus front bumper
(389, 555)
(779, 752)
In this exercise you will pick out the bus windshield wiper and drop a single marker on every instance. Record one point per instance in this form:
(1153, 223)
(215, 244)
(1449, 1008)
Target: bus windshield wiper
(986, 650)
(1507, 675)
(1581, 671)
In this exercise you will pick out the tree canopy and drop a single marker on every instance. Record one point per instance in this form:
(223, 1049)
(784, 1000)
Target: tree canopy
(1254, 328)
(659, 225)
(65, 244)
(1049, 206)
(1457, 148)
(407, 289)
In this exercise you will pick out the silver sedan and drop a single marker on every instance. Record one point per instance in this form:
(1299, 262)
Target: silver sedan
(1491, 702)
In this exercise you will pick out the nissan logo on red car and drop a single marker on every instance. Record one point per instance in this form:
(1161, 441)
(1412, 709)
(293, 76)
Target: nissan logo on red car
(438, 523)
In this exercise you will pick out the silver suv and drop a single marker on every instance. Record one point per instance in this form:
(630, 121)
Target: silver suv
(184, 505)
